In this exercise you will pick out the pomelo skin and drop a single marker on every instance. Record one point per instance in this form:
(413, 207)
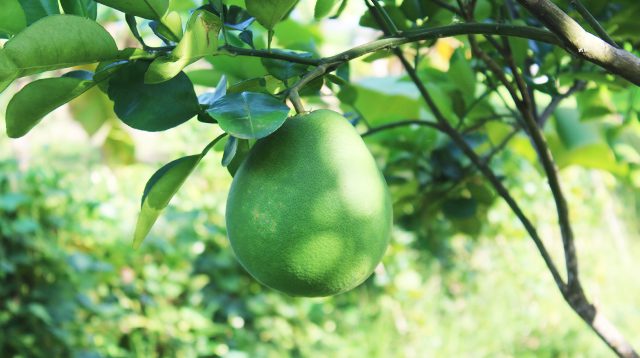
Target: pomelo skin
(308, 212)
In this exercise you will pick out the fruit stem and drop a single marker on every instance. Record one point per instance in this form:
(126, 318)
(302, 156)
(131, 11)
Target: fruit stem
(294, 95)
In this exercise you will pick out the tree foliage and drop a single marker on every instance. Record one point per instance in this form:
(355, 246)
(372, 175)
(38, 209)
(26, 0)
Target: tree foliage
(444, 130)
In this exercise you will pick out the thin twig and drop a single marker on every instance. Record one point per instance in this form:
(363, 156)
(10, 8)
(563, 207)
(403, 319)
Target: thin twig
(404, 123)
(583, 43)
(595, 25)
(240, 51)
(500, 147)
(480, 122)
(294, 95)
(494, 67)
(556, 100)
(527, 97)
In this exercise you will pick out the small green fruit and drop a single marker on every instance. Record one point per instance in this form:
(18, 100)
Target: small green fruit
(309, 213)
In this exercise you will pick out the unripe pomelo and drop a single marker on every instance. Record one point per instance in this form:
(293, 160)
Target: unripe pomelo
(309, 213)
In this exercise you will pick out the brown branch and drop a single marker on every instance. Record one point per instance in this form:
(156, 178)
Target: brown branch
(527, 97)
(556, 100)
(458, 139)
(408, 122)
(572, 290)
(503, 144)
(494, 67)
(595, 25)
(583, 43)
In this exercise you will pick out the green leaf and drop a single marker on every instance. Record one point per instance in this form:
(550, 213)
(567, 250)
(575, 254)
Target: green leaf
(54, 42)
(149, 9)
(84, 8)
(39, 98)
(208, 98)
(394, 12)
(582, 143)
(151, 107)
(240, 67)
(204, 77)
(459, 208)
(200, 39)
(230, 149)
(12, 18)
(416, 9)
(572, 132)
(284, 70)
(170, 26)
(323, 8)
(242, 149)
(294, 35)
(253, 85)
(8, 70)
(92, 110)
(519, 47)
(249, 115)
(382, 100)
(159, 190)
(118, 148)
(312, 88)
(269, 12)
(595, 103)
(37, 9)
(481, 192)
(161, 187)
(461, 74)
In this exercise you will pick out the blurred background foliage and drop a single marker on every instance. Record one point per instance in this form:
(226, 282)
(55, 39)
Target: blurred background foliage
(460, 278)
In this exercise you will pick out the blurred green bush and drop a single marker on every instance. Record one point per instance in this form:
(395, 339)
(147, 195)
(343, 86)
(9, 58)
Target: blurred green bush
(71, 286)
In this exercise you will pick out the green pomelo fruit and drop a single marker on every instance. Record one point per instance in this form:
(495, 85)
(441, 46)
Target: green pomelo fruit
(309, 213)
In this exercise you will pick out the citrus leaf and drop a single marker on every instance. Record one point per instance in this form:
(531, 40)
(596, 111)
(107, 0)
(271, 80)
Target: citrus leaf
(151, 107)
(161, 187)
(39, 98)
(284, 70)
(92, 110)
(118, 148)
(12, 18)
(269, 12)
(169, 26)
(572, 132)
(8, 70)
(323, 8)
(149, 9)
(200, 39)
(230, 149)
(37, 9)
(242, 149)
(208, 98)
(462, 75)
(54, 42)
(459, 208)
(84, 8)
(249, 115)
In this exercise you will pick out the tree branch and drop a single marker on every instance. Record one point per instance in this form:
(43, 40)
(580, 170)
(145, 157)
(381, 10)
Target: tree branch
(583, 43)
(408, 122)
(595, 25)
(572, 291)
(402, 38)
(457, 138)
(240, 51)
(556, 100)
